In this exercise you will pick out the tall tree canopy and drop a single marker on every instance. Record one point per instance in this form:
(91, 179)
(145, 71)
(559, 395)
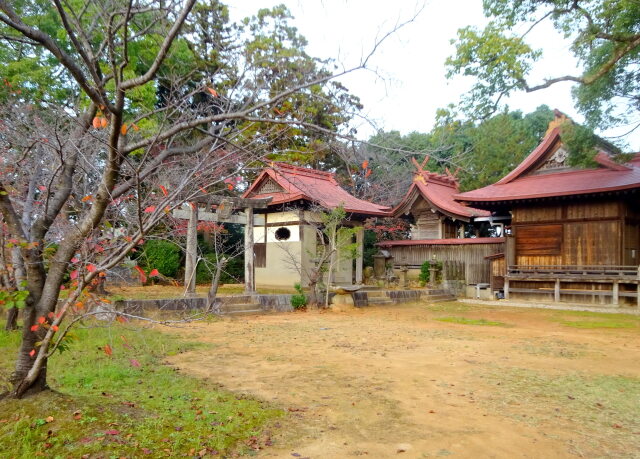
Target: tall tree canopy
(480, 153)
(604, 36)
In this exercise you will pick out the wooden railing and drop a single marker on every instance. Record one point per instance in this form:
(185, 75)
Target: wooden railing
(554, 271)
(564, 276)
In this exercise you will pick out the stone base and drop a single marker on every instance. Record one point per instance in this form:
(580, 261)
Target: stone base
(342, 302)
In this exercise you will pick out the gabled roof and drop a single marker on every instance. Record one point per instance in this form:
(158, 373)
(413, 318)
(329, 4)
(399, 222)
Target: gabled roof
(439, 191)
(530, 179)
(286, 183)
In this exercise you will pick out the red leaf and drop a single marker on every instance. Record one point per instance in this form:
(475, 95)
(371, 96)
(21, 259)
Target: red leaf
(32, 353)
(365, 164)
(164, 190)
(86, 198)
(96, 122)
(107, 350)
(150, 209)
(74, 274)
(112, 432)
(230, 186)
(154, 272)
(135, 363)
(213, 92)
(41, 320)
(75, 260)
(126, 344)
(35, 327)
(55, 328)
(42, 188)
(91, 268)
(143, 276)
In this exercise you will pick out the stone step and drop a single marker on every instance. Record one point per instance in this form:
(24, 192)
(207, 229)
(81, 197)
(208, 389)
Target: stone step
(376, 294)
(234, 308)
(236, 299)
(380, 301)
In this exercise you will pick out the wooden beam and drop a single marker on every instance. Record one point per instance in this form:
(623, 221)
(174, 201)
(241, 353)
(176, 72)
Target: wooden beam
(238, 203)
(360, 257)
(506, 288)
(211, 216)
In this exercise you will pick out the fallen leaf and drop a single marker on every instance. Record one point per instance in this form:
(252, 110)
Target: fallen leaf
(134, 363)
(107, 350)
(154, 272)
(112, 432)
(49, 419)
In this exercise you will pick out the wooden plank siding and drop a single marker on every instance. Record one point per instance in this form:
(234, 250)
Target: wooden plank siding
(476, 268)
(583, 233)
(594, 232)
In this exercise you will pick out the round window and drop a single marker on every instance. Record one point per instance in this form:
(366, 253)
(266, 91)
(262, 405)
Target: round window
(283, 234)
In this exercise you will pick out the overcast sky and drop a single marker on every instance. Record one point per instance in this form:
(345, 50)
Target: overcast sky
(409, 83)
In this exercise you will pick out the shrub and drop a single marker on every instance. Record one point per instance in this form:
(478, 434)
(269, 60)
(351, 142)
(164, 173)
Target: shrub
(299, 300)
(233, 272)
(425, 274)
(164, 256)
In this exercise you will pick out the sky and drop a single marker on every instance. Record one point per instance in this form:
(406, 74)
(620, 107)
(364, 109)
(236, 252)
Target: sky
(406, 83)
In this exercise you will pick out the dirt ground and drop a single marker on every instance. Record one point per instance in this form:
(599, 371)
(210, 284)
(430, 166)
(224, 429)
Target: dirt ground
(394, 381)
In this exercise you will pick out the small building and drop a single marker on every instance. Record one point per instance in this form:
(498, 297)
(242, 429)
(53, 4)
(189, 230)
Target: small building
(575, 232)
(445, 230)
(286, 236)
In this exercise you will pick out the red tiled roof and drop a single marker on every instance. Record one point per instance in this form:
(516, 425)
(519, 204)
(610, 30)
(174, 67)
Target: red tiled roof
(311, 185)
(516, 185)
(560, 184)
(439, 190)
(461, 241)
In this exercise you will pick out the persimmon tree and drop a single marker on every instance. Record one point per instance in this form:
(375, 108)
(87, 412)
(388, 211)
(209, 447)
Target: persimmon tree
(150, 104)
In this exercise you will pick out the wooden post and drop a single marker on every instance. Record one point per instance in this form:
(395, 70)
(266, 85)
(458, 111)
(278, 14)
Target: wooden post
(506, 288)
(192, 251)
(360, 258)
(616, 293)
(249, 272)
(556, 291)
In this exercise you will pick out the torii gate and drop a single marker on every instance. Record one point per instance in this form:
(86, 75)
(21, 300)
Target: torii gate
(223, 214)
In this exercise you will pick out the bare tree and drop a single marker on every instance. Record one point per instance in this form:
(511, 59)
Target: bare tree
(138, 132)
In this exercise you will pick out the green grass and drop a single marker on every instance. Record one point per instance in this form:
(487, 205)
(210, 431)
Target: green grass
(591, 320)
(451, 306)
(109, 405)
(605, 406)
(467, 321)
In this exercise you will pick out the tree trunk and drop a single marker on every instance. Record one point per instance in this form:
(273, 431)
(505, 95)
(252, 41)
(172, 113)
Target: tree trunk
(12, 319)
(213, 291)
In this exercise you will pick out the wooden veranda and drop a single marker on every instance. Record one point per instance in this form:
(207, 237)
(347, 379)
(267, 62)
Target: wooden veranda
(574, 283)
